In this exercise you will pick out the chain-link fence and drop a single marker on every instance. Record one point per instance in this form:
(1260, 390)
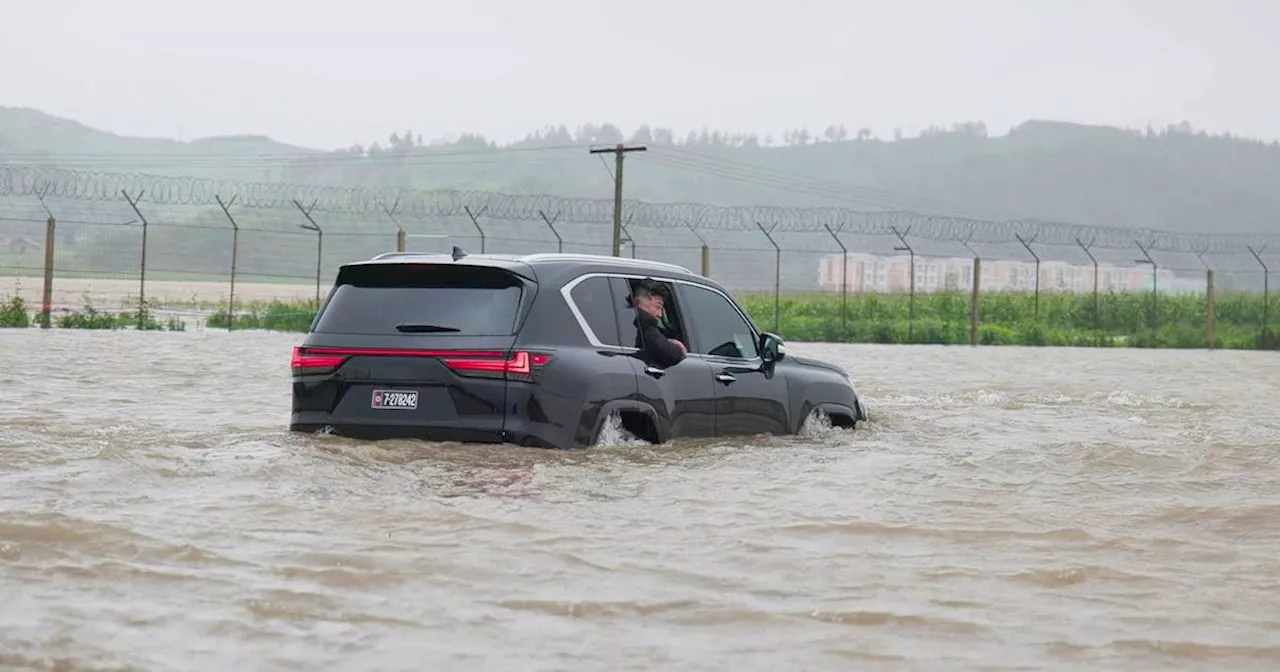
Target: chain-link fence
(809, 275)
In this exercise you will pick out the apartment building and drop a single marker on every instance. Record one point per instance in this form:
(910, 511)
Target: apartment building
(891, 274)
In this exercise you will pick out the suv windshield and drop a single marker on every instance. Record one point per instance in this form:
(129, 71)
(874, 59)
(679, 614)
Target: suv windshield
(385, 299)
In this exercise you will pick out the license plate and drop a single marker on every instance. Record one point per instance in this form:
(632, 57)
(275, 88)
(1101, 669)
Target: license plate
(395, 399)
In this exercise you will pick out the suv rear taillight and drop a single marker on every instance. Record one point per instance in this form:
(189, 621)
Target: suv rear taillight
(304, 361)
(521, 365)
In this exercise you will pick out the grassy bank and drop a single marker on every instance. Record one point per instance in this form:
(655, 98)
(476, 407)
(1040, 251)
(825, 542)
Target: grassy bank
(15, 314)
(1122, 320)
(273, 315)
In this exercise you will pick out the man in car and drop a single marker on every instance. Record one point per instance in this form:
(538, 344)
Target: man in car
(649, 297)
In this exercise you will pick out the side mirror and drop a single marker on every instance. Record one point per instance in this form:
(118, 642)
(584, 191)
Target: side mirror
(771, 348)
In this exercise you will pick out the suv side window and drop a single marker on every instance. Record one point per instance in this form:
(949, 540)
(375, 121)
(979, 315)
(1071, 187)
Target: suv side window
(673, 324)
(624, 313)
(717, 327)
(594, 300)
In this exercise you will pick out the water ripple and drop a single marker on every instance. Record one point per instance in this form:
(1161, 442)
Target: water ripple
(1008, 508)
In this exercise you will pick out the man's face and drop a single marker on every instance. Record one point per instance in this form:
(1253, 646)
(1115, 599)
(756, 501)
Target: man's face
(651, 304)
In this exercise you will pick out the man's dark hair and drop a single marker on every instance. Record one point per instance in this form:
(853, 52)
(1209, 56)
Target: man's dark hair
(649, 287)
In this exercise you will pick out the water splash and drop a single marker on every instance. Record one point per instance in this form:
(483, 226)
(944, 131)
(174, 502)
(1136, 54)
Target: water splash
(818, 426)
(613, 435)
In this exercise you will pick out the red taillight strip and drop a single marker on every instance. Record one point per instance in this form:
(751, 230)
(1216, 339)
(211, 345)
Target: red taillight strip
(307, 360)
(521, 362)
(392, 352)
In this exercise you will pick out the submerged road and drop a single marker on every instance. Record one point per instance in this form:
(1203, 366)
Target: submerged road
(1006, 508)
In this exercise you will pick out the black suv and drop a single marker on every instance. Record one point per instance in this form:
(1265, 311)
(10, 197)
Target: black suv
(539, 350)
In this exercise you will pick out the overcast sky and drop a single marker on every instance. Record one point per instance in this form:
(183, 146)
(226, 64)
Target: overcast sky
(330, 74)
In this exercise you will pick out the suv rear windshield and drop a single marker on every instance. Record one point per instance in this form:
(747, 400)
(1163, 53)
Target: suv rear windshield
(452, 300)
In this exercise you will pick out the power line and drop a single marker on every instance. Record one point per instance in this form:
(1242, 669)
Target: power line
(619, 153)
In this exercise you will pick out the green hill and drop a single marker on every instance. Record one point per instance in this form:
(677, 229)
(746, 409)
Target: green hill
(1174, 178)
(34, 137)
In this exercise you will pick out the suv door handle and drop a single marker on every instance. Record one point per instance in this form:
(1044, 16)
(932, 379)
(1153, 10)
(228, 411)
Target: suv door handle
(725, 378)
(654, 371)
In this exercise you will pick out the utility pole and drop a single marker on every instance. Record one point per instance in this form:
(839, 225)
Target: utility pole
(619, 152)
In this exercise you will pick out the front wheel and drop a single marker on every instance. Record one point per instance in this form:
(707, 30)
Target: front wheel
(621, 429)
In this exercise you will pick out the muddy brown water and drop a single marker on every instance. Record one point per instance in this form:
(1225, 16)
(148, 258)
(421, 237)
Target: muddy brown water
(1005, 509)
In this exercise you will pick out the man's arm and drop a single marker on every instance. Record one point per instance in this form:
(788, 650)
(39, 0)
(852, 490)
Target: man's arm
(662, 349)
(655, 343)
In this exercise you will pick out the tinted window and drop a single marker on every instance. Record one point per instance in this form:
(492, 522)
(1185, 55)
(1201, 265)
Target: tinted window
(472, 300)
(594, 300)
(628, 334)
(718, 329)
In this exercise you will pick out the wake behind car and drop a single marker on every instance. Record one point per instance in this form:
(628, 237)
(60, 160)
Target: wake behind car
(539, 350)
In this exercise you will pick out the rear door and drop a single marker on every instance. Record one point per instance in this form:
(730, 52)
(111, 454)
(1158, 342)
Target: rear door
(683, 395)
(421, 345)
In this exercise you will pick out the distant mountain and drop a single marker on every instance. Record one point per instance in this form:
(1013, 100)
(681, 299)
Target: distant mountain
(1173, 178)
(34, 137)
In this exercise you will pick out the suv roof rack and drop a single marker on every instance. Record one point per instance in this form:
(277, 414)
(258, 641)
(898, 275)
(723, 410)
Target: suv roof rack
(544, 256)
(604, 259)
(393, 255)
(441, 255)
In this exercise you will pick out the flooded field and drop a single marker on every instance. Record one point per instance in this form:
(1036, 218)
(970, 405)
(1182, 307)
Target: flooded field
(1005, 509)
(119, 293)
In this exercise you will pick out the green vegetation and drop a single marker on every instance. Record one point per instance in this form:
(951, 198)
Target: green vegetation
(1123, 319)
(14, 315)
(273, 316)
(142, 320)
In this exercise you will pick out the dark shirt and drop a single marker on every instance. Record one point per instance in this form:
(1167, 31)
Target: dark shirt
(653, 342)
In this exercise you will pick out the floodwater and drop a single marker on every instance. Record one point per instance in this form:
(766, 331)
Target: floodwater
(1005, 509)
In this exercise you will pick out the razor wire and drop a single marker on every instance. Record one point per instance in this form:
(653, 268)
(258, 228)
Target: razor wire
(100, 186)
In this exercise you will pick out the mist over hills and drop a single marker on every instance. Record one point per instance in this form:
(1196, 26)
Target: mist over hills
(1175, 178)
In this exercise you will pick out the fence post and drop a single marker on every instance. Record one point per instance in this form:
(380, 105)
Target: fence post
(1266, 292)
(1155, 279)
(46, 302)
(975, 301)
(475, 221)
(1211, 316)
(311, 225)
(551, 224)
(235, 245)
(142, 268)
(626, 236)
(706, 251)
(975, 312)
(1097, 323)
(1210, 323)
(777, 271)
(1027, 244)
(911, 305)
(844, 279)
(400, 232)
(50, 224)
